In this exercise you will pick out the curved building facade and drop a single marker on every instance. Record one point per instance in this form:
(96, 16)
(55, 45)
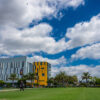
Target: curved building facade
(15, 65)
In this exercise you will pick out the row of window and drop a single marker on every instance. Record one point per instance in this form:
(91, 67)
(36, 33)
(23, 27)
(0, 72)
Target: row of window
(42, 74)
(12, 64)
(6, 69)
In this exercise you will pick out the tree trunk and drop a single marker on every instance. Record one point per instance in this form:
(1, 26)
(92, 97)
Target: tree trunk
(13, 83)
(87, 82)
(31, 84)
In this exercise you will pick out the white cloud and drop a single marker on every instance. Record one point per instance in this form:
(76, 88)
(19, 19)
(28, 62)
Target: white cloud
(14, 42)
(20, 13)
(92, 52)
(77, 70)
(66, 3)
(84, 33)
(53, 62)
(37, 38)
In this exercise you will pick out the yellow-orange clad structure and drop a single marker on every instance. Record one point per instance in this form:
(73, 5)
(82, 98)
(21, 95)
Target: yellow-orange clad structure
(42, 71)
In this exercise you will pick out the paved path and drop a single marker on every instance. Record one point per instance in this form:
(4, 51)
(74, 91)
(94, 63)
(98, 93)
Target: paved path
(8, 90)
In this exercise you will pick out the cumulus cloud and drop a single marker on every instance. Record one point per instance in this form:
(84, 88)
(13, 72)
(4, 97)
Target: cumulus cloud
(54, 62)
(15, 14)
(77, 70)
(66, 3)
(20, 13)
(92, 52)
(15, 42)
(84, 33)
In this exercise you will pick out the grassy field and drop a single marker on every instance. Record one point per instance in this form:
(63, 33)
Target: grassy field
(53, 94)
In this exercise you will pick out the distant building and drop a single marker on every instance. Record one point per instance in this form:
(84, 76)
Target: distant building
(17, 65)
(22, 66)
(42, 71)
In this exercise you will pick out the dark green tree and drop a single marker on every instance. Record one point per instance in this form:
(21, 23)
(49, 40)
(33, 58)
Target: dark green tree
(30, 76)
(72, 80)
(61, 78)
(50, 81)
(97, 81)
(86, 76)
(13, 78)
(1, 83)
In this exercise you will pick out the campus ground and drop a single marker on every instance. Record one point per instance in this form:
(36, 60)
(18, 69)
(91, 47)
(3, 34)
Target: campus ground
(52, 94)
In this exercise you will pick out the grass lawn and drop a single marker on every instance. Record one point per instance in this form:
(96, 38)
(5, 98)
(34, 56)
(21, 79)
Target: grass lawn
(53, 94)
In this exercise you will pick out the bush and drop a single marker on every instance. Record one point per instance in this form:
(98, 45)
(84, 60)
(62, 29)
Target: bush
(8, 85)
(19, 81)
(2, 83)
(83, 84)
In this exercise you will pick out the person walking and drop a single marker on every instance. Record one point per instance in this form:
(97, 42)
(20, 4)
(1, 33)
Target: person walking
(21, 86)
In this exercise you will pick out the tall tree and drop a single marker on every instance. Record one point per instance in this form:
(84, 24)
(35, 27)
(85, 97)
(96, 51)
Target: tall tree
(31, 77)
(72, 79)
(61, 78)
(24, 77)
(97, 81)
(13, 77)
(50, 81)
(1, 83)
(86, 76)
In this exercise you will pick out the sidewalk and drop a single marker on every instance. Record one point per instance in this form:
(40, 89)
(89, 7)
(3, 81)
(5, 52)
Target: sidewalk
(8, 90)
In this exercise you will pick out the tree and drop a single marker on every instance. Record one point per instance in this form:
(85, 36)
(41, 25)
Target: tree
(24, 78)
(13, 77)
(86, 76)
(92, 81)
(72, 79)
(1, 83)
(97, 81)
(61, 78)
(50, 81)
(75, 79)
(31, 77)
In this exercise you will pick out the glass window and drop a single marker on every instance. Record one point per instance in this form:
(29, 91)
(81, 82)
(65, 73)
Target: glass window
(42, 74)
(11, 65)
(23, 64)
(40, 63)
(42, 67)
(36, 74)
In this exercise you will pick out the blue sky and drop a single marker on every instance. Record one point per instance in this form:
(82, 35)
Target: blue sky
(66, 33)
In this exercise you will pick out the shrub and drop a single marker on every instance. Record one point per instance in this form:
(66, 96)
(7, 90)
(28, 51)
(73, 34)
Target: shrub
(2, 83)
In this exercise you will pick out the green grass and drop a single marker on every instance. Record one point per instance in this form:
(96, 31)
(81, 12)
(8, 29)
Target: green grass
(53, 94)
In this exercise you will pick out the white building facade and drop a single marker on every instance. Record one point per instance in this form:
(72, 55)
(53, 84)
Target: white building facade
(15, 65)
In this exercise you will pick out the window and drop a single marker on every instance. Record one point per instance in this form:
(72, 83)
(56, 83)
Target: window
(42, 68)
(11, 65)
(42, 74)
(37, 69)
(23, 64)
(34, 67)
(40, 63)
(36, 74)
(41, 80)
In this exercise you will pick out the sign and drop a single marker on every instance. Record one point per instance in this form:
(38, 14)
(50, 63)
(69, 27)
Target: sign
(21, 72)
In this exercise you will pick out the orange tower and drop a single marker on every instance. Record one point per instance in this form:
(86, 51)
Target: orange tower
(42, 71)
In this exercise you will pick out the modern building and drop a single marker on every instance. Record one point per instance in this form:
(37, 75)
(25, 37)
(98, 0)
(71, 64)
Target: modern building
(22, 66)
(42, 71)
(15, 65)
